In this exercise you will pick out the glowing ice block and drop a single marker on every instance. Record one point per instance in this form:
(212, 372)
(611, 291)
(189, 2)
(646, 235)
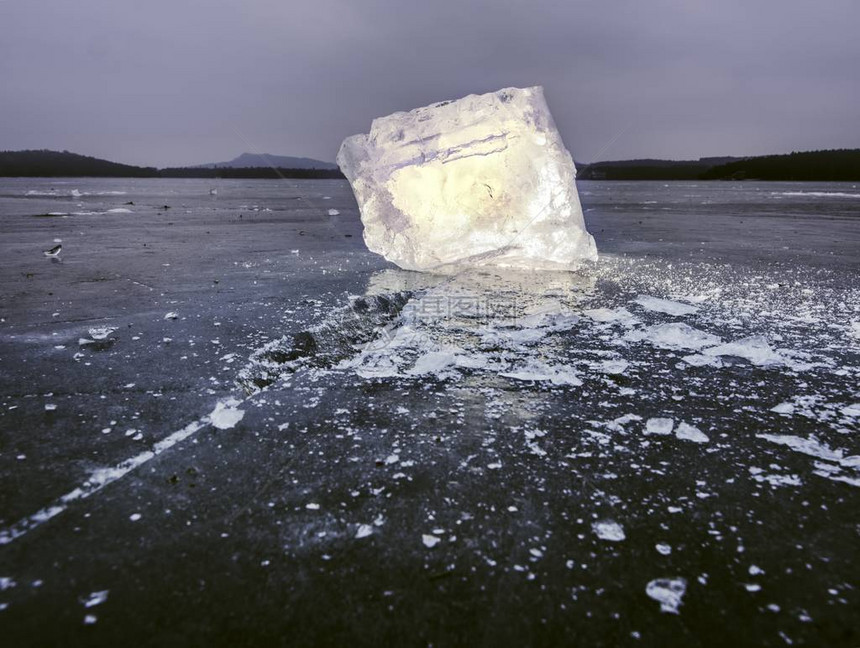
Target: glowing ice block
(483, 180)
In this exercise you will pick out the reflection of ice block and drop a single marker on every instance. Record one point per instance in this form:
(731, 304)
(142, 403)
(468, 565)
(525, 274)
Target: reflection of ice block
(483, 180)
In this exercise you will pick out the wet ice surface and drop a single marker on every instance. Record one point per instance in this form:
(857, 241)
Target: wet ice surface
(541, 457)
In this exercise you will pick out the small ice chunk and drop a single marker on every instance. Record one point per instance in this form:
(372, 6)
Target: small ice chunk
(482, 180)
(430, 541)
(614, 367)
(101, 332)
(754, 348)
(432, 363)
(226, 415)
(663, 549)
(786, 409)
(851, 411)
(171, 316)
(134, 517)
(96, 598)
(333, 212)
(538, 371)
(688, 432)
(699, 360)
(664, 305)
(608, 530)
(611, 316)
(312, 506)
(811, 446)
(674, 335)
(659, 426)
(364, 530)
(668, 592)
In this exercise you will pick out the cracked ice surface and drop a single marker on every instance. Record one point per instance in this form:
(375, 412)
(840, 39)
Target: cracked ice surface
(483, 180)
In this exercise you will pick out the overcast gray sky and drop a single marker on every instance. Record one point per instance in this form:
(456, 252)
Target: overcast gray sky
(174, 82)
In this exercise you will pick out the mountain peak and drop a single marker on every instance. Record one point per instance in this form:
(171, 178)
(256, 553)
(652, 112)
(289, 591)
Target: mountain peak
(247, 160)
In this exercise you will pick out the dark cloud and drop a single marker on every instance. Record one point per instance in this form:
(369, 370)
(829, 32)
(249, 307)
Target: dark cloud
(188, 81)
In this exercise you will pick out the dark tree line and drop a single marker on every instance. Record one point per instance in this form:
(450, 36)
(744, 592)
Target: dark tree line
(833, 165)
(56, 163)
(824, 166)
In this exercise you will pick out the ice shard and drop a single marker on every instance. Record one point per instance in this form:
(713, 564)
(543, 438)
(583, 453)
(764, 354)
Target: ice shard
(482, 180)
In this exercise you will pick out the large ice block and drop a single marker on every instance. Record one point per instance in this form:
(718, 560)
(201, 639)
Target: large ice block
(483, 180)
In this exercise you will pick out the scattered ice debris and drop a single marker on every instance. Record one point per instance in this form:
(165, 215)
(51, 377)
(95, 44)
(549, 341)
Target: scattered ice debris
(664, 305)
(430, 541)
(7, 582)
(608, 530)
(812, 446)
(668, 592)
(674, 335)
(663, 549)
(171, 316)
(364, 530)
(786, 409)
(659, 426)
(98, 479)
(687, 432)
(226, 415)
(96, 598)
(134, 517)
(774, 479)
(755, 570)
(754, 348)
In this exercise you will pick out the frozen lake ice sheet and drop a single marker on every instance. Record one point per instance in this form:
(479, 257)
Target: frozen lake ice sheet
(380, 397)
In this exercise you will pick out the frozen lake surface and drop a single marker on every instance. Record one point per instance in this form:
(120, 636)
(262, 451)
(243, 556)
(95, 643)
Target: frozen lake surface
(222, 420)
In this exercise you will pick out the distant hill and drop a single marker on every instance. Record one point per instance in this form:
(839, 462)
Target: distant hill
(55, 163)
(826, 166)
(251, 160)
(251, 172)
